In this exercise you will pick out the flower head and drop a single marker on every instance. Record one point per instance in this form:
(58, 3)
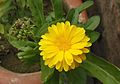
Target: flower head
(64, 46)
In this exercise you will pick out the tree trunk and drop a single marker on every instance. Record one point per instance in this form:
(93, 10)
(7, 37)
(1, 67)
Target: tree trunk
(108, 46)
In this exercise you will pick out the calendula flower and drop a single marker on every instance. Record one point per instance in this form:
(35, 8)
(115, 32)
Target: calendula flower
(64, 46)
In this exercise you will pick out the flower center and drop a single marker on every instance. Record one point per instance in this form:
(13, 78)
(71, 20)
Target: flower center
(62, 43)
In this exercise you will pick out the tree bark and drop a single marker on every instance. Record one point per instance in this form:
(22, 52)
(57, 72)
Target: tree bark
(108, 46)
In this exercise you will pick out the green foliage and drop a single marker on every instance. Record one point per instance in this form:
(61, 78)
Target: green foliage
(22, 3)
(102, 70)
(29, 55)
(5, 7)
(93, 35)
(28, 48)
(36, 7)
(46, 72)
(20, 44)
(77, 76)
(70, 14)
(92, 23)
(1, 29)
(54, 78)
(58, 8)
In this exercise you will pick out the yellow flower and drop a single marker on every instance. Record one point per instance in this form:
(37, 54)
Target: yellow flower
(64, 46)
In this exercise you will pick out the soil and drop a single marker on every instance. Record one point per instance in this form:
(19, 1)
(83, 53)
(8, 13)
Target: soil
(10, 61)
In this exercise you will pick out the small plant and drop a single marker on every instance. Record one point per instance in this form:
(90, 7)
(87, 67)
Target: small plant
(61, 44)
(22, 29)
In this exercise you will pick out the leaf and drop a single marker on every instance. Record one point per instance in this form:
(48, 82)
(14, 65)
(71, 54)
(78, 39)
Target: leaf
(77, 76)
(5, 7)
(40, 31)
(70, 14)
(93, 36)
(1, 29)
(92, 23)
(36, 7)
(20, 44)
(58, 8)
(102, 69)
(46, 72)
(63, 78)
(50, 17)
(78, 10)
(29, 55)
(54, 78)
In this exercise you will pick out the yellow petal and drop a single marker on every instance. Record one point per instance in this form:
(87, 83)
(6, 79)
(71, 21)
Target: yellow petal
(67, 23)
(72, 65)
(40, 48)
(60, 55)
(68, 57)
(44, 57)
(50, 55)
(60, 69)
(77, 59)
(45, 42)
(58, 65)
(60, 27)
(79, 45)
(83, 57)
(75, 51)
(85, 50)
(53, 61)
(86, 38)
(65, 66)
(53, 29)
(88, 44)
(77, 38)
(79, 31)
(50, 49)
(47, 61)
(49, 36)
(42, 53)
(72, 31)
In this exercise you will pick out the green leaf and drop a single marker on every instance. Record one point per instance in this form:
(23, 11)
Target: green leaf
(77, 76)
(5, 7)
(54, 78)
(1, 29)
(22, 3)
(78, 10)
(92, 23)
(30, 56)
(50, 17)
(46, 72)
(36, 7)
(70, 14)
(58, 8)
(20, 44)
(40, 31)
(101, 69)
(93, 36)
(62, 78)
